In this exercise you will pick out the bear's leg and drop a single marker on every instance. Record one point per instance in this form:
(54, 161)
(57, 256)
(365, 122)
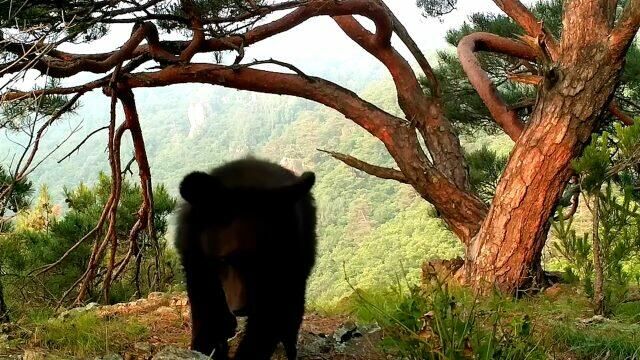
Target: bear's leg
(293, 316)
(260, 339)
(212, 322)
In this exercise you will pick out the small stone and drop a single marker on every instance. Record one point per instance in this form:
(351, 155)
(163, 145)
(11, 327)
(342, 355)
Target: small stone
(164, 310)
(346, 332)
(109, 357)
(91, 306)
(142, 347)
(171, 353)
(553, 291)
(596, 319)
(155, 295)
(33, 355)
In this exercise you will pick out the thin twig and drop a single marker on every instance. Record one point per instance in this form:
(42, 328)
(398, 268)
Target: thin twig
(275, 62)
(77, 147)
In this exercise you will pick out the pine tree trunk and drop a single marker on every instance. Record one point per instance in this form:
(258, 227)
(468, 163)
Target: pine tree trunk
(506, 251)
(598, 289)
(4, 312)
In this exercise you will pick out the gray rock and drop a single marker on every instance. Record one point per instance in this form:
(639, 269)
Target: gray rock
(171, 353)
(63, 315)
(75, 311)
(369, 328)
(91, 306)
(596, 319)
(156, 295)
(319, 345)
(109, 357)
(346, 332)
(33, 355)
(143, 347)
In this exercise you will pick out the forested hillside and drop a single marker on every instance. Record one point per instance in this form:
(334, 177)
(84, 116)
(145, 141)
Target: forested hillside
(375, 228)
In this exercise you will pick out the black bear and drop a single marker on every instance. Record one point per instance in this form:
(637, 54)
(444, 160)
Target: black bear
(247, 240)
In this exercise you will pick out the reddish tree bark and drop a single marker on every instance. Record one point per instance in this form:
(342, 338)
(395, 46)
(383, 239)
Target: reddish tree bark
(506, 251)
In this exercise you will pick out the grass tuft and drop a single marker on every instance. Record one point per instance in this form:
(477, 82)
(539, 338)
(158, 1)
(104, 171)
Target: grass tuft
(86, 335)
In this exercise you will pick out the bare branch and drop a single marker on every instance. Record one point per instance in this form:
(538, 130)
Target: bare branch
(529, 79)
(615, 110)
(397, 135)
(531, 25)
(16, 95)
(275, 62)
(626, 28)
(110, 238)
(365, 114)
(408, 41)
(575, 201)
(103, 216)
(127, 168)
(66, 64)
(145, 219)
(100, 63)
(423, 112)
(77, 147)
(374, 170)
(195, 21)
(38, 137)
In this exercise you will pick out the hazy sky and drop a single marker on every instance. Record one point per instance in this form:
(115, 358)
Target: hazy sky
(320, 37)
(319, 40)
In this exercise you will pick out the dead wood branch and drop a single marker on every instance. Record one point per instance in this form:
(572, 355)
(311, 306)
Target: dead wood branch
(86, 138)
(373, 170)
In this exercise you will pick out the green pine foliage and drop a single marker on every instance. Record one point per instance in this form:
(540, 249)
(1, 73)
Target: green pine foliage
(485, 169)
(462, 104)
(43, 234)
(609, 175)
(19, 197)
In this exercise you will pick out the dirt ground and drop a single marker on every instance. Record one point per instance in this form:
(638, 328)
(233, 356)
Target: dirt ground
(167, 318)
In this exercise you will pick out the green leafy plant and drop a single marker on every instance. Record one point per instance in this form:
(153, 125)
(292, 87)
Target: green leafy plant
(432, 322)
(609, 177)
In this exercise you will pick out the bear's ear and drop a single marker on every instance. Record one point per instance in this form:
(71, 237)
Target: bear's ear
(306, 182)
(199, 187)
(300, 188)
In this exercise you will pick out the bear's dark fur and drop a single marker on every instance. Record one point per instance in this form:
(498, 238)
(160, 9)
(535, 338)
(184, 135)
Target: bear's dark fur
(247, 238)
